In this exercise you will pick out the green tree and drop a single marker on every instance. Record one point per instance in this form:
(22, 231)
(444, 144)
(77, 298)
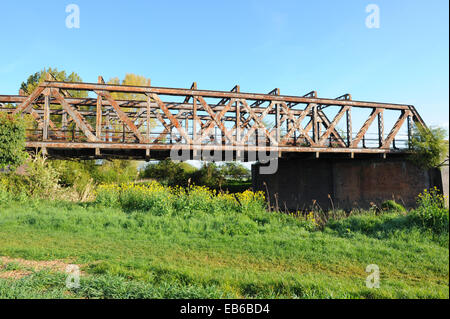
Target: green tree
(134, 80)
(37, 78)
(82, 172)
(208, 175)
(429, 146)
(114, 171)
(130, 79)
(12, 140)
(167, 172)
(235, 170)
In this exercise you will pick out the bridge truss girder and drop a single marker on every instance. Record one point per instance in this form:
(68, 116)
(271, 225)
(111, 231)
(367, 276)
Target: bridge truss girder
(200, 119)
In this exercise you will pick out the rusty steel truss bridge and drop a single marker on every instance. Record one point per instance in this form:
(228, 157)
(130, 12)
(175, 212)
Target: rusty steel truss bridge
(144, 122)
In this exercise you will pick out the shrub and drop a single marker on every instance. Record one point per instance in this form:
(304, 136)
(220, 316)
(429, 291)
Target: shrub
(166, 172)
(147, 197)
(40, 180)
(429, 146)
(393, 206)
(12, 141)
(161, 200)
(431, 212)
(208, 175)
(83, 173)
(115, 171)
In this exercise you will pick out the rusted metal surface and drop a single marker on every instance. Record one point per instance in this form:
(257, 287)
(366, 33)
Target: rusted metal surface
(195, 120)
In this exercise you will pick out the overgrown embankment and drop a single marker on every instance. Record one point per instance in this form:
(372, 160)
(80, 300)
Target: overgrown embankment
(151, 241)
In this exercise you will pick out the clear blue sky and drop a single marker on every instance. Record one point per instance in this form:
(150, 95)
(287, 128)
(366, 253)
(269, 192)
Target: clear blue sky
(297, 46)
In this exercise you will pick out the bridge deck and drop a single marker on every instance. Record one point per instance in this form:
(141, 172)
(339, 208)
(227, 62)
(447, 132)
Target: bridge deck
(105, 120)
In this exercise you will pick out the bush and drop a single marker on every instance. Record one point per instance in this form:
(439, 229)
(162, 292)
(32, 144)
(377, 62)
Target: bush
(80, 177)
(429, 146)
(40, 180)
(115, 171)
(12, 141)
(147, 197)
(71, 173)
(167, 172)
(392, 206)
(431, 212)
(208, 175)
(160, 200)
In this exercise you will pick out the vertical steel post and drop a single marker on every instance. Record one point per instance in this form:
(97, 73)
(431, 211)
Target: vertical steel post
(349, 127)
(380, 128)
(277, 122)
(409, 122)
(46, 115)
(148, 119)
(315, 125)
(98, 126)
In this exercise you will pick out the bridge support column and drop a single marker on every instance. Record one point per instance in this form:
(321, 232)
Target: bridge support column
(344, 183)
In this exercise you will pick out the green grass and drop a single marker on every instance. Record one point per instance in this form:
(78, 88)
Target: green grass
(201, 252)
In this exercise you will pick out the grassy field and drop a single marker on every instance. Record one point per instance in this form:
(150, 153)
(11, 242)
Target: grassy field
(201, 245)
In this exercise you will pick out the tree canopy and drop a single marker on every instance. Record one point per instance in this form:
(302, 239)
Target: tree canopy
(429, 146)
(130, 79)
(37, 78)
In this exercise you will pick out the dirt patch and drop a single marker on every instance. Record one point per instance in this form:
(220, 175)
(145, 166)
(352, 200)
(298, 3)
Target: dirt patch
(14, 274)
(27, 267)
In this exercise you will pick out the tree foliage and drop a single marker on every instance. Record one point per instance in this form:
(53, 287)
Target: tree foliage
(37, 78)
(130, 79)
(235, 170)
(167, 172)
(12, 140)
(135, 80)
(211, 175)
(80, 173)
(429, 146)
